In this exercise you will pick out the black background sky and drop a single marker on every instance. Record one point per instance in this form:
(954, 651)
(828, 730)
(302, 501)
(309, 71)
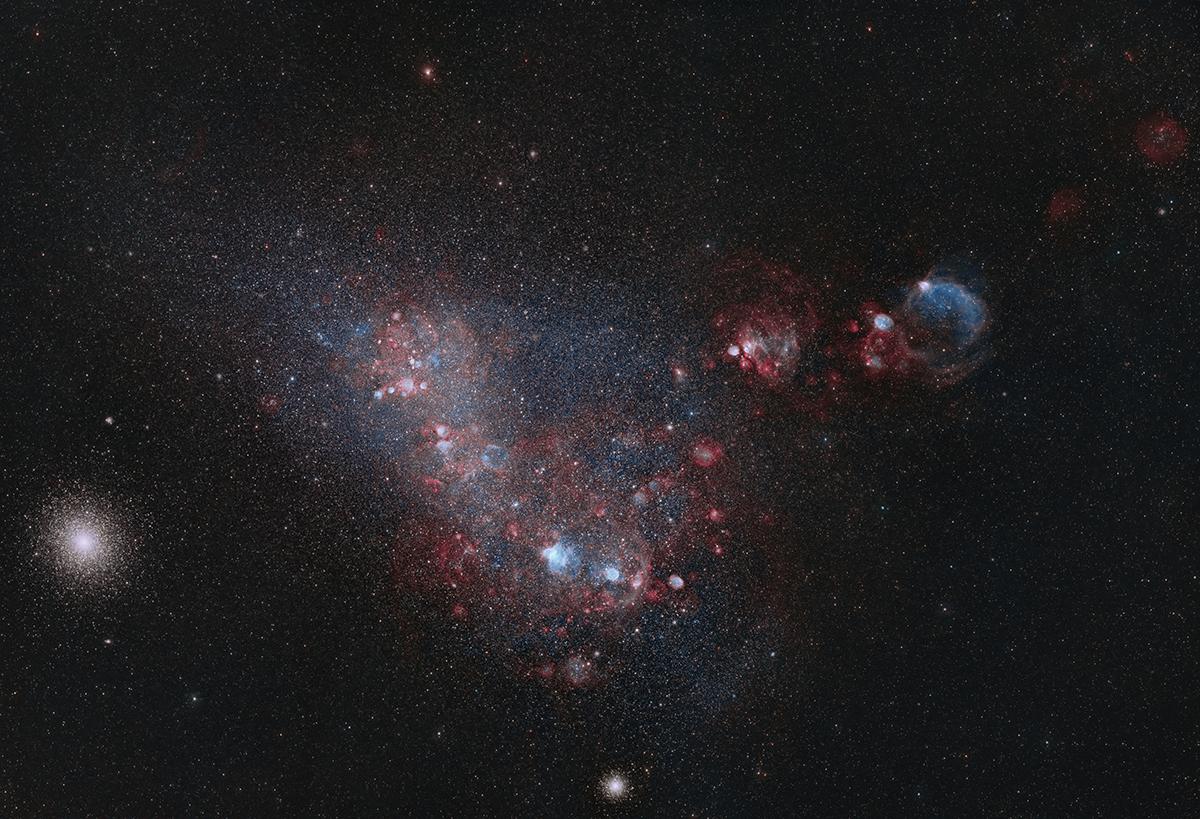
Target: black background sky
(988, 606)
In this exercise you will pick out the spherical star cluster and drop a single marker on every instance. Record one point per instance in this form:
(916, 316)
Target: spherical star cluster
(614, 787)
(86, 539)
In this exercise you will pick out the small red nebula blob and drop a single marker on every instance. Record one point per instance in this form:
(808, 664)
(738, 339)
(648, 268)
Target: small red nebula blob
(769, 325)
(706, 453)
(1161, 138)
(881, 352)
(1066, 205)
(270, 404)
(716, 515)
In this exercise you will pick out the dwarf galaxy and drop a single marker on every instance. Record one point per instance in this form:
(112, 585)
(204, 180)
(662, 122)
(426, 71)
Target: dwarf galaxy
(599, 410)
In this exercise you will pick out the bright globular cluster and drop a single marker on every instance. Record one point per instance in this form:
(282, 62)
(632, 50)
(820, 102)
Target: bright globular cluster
(614, 787)
(85, 539)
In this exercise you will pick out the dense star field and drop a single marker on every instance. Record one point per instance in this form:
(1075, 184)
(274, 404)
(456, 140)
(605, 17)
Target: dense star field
(567, 410)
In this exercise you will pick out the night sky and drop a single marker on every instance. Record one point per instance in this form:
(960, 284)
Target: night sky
(571, 410)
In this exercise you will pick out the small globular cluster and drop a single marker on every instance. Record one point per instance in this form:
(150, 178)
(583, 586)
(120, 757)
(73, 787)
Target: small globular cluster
(615, 787)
